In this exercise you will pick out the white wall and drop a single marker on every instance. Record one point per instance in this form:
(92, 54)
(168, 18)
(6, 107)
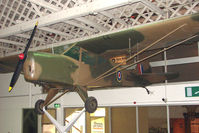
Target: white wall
(12, 104)
(25, 95)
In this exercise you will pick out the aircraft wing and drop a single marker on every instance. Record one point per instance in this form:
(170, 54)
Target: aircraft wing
(140, 36)
(144, 35)
(8, 64)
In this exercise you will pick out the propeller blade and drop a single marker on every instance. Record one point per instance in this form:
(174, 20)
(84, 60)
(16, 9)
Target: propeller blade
(30, 40)
(22, 58)
(16, 74)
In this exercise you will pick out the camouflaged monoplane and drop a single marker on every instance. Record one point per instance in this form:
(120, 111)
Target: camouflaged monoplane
(102, 62)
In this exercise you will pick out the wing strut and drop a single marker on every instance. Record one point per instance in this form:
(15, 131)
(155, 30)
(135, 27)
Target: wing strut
(141, 51)
(60, 128)
(146, 58)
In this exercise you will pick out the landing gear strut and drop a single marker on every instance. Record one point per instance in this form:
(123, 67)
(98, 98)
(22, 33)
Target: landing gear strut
(91, 104)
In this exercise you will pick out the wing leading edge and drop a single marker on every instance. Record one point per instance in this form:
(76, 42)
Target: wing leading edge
(144, 35)
(141, 35)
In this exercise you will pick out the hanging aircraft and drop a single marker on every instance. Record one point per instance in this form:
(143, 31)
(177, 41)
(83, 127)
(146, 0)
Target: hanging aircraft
(101, 62)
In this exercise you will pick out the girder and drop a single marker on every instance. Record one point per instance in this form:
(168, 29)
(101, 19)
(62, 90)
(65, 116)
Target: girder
(65, 21)
(45, 4)
(84, 27)
(11, 42)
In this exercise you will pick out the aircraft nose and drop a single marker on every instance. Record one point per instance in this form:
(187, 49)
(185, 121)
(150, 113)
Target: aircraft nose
(29, 70)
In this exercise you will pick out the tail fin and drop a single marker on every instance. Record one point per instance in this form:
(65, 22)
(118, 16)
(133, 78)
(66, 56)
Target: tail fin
(140, 69)
(143, 68)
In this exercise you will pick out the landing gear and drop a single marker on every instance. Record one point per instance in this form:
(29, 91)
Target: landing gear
(91, 104)
(39, 106)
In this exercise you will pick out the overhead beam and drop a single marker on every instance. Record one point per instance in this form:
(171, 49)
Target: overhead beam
(12, 42)
(7, 48)
(37, 10)
(152, 7)
(45, 4)
(111, 16)
(57, 9)
(71, 22)
(64, 15)
(28, 36)
(55, 31)
(91, 23)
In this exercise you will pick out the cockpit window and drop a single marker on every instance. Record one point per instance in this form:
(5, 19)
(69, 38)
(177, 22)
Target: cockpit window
(88, 58)
(73, 52)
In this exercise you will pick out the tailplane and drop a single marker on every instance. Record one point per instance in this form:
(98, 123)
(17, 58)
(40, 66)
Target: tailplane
(146, 79)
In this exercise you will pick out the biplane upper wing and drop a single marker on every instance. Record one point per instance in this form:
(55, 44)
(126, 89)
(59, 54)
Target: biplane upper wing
(141, 36)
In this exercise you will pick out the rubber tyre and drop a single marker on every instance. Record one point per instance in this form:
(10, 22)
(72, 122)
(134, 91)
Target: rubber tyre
(39, 106)
(91, 104)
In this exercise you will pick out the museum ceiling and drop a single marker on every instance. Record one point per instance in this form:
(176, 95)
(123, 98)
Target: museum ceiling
(66, 21)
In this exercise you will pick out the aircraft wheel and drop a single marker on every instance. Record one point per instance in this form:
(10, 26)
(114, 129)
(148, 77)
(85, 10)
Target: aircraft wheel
(39, 107)
(91, 104)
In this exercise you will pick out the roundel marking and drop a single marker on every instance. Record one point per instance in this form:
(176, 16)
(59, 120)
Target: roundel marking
(119, 76)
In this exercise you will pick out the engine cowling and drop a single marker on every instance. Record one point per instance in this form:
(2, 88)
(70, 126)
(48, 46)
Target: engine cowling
(47, 68)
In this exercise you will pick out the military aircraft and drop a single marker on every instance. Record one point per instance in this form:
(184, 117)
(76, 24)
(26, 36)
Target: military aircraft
(101, 62)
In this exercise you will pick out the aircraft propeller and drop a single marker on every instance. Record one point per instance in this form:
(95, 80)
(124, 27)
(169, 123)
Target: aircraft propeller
(22, 58)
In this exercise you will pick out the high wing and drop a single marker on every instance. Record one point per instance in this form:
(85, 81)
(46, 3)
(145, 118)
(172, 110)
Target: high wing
(8, 64)
(144, 35)
(140, 36)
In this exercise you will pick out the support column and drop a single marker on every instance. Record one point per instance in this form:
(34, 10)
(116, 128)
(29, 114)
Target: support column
(60, 113)
(168, 119)
(137, 119)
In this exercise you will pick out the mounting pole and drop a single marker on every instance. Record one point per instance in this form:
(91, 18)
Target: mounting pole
(60, 128)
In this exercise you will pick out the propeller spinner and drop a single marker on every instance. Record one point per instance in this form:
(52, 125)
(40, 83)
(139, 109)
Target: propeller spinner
(22, 58)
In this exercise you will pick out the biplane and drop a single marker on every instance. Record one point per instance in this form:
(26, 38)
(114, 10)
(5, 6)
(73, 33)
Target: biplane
(108, 61)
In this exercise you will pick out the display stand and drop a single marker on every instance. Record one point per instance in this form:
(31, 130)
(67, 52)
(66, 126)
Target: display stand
(60, 128)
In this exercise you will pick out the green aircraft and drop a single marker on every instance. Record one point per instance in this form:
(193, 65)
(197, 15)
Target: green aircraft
(101, 62)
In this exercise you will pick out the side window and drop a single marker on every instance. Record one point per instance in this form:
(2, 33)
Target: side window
(88, 58)
(73, 52)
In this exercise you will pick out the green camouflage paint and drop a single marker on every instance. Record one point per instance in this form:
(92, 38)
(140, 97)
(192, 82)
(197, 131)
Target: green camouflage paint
(120, 40)
(195, 17)
(54, 68)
